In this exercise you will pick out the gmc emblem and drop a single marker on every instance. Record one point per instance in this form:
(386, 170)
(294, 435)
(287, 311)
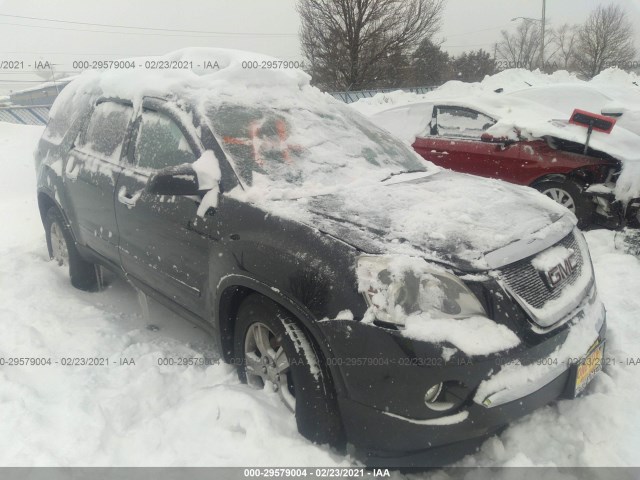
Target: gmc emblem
(560, 272)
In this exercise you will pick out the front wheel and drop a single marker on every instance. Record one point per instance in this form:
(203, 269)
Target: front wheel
(62, 249)
(272, 352)
(570, 195)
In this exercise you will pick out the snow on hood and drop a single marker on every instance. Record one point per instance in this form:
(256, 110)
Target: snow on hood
(446, 217)
(407, 115)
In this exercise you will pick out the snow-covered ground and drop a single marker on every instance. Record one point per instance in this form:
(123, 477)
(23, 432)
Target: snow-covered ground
(146, 414)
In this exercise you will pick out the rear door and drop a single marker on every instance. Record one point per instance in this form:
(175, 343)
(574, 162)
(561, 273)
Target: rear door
(162, 242)
(453, 141)
(91, 173)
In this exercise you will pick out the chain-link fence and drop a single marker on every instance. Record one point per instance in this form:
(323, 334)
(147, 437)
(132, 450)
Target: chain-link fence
(32, 115)
(354, 96)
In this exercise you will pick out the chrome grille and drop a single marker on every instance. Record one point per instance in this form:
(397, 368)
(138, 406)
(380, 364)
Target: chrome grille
(524, 280)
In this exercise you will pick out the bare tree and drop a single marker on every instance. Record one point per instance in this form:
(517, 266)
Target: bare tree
(564, 40)
(348, 42)
(520, 49)
(605, 39)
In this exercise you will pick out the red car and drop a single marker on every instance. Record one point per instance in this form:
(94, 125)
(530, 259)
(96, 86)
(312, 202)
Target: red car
(456, 139)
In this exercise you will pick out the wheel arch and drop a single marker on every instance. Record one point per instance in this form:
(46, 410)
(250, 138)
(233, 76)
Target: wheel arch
(552, 177)
(45, 202)
(234, 289)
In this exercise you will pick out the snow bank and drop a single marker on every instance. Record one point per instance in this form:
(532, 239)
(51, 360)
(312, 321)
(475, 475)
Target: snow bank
(509, 80)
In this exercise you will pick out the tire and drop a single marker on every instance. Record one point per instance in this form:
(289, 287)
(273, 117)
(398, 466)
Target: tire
(304, 387)
(62, 249)
(570, 195)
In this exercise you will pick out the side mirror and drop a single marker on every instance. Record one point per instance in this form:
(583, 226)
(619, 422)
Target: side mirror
(613, 110)
(488, 138)
(180, 180)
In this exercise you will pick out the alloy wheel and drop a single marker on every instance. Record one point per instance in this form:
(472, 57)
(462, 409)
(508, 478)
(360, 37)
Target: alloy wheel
(562, 197)
(59, 250)
(267, 364)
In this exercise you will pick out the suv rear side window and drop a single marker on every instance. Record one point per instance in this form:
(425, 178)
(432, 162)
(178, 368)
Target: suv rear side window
(461, 122)
(106, 130)
(161, 143)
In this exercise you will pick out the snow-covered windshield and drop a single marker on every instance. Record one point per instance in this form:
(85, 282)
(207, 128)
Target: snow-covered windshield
(305, 146)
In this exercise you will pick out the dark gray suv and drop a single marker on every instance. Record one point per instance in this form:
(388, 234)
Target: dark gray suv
(406, 310)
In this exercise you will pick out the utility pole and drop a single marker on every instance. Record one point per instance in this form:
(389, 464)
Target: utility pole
(543, 25)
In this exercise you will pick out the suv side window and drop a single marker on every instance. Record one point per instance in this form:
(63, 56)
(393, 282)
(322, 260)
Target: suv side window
(161, 143)
(106, 130)
(461, 122)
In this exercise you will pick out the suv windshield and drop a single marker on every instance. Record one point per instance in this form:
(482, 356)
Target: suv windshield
(303, 147)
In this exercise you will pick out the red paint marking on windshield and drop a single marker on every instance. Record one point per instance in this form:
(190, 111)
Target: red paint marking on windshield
(260, 141)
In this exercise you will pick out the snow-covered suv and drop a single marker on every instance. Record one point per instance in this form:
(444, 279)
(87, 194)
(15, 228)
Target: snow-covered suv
(404, 309)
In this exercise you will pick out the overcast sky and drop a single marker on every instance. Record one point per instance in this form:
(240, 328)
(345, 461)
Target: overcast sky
(265, 26)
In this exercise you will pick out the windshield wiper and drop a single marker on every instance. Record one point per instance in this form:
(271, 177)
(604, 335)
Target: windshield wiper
(403, 172)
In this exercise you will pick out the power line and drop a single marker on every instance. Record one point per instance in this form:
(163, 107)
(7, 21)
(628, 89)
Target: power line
(477, 31)
(212, 33)
(76, 54)
(139, 34)
(469, 46)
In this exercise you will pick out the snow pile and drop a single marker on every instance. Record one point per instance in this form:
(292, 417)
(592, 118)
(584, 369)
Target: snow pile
(208, 171)
(551, 258)
(211, 68)
(509, 80)
(616, 77)
(473, 335)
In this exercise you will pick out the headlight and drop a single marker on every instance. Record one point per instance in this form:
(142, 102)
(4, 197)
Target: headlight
(397, 287)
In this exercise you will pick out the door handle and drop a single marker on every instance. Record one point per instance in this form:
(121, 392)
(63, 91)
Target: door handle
(72, 168)
(127, 199)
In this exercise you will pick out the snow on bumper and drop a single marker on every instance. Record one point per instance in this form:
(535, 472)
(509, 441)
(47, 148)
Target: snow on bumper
(515, 381)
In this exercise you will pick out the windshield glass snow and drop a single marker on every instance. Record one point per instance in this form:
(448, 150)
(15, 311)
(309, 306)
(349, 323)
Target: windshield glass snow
(303, 146)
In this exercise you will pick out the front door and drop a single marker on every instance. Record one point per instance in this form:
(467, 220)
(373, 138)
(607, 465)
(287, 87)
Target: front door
(453, 141)
(162, 242)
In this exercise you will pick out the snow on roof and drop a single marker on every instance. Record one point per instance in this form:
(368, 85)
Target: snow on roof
(223, 71)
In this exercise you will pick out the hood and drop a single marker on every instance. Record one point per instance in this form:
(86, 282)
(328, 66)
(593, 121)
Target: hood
(456, 219)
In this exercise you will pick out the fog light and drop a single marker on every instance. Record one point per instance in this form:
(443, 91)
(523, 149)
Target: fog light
(432, 394)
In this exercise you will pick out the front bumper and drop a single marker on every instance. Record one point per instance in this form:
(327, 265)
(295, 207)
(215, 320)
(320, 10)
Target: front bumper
(387, 424)
(385, 440)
